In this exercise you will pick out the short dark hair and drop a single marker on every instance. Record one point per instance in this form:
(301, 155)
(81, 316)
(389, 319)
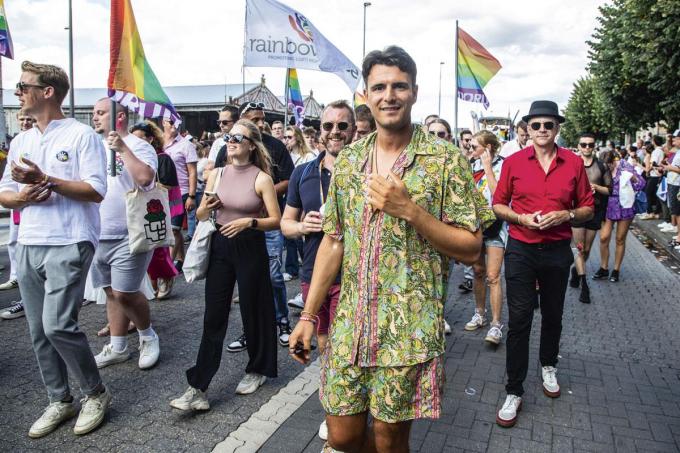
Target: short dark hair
(309, 130)
(523, 125)
(233, 111)
(587, 135)
(391, 56)
(363, 113)
(465, 131)
(658, 140)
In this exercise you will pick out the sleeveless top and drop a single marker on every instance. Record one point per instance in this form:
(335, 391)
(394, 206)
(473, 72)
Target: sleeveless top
(236, 190)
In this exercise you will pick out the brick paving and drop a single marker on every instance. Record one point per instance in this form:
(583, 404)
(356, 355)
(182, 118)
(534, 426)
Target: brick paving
(619, 371)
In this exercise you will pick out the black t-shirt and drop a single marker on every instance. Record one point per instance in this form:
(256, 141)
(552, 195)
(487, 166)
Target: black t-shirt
(304, 193)
(167, 172)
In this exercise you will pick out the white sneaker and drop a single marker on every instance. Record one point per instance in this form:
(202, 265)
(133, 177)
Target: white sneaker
(9, 284)
(447, 328)
(507, 415)
(495, 334)
(550, 386)
(55, 414)
(191, 399)
(250, 383)
(297, 302)
(323, 431)
(92, 412)
(110, 357)
(663, 225)
(164, 288)
(15, 311)
(149, 350)
(477, 321)
(669, 229)
(287, 277)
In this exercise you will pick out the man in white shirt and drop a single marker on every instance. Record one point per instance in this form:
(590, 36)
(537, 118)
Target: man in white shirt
(520, 142)
(673, 179)
(57, 177)
(228, 116)
(654, 173)
(113, 267)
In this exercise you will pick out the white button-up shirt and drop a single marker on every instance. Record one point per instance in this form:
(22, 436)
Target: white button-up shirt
(67, 150)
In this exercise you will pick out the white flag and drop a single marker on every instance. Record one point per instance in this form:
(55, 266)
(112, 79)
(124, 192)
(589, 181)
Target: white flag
(279, 36)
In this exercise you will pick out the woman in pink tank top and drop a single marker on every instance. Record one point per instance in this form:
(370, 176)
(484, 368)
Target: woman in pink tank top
(244, 204)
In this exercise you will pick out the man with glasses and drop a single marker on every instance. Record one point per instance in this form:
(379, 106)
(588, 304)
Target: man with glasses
(57, 177)
(541, 189)
(277, 130)
(520, 141)
(227, 117)
(283, 167)
(466, 143)
(584, 232)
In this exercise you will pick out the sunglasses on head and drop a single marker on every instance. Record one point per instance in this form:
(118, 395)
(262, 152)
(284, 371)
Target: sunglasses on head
(235, 138)
(329, 126)
(587, 145)
(253, 106)
(549, 125)
(440, 134)
(224, 122)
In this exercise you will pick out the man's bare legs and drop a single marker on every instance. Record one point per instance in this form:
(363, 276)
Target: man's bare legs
(350, 434)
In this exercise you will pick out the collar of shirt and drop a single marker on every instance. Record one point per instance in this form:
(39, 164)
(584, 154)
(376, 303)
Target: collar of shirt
(416, 147)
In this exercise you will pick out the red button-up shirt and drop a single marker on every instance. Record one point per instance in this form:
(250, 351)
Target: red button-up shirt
(528, 188)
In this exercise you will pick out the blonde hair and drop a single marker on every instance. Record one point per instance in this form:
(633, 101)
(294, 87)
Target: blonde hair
(486, 138)
(49, 75)
(260, 156)
(301, 147)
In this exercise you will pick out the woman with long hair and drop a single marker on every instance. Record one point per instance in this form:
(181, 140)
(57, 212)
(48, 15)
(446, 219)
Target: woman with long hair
(486, 171)
(616, 214)
(441, 128)
(242, 199)
(162, 271)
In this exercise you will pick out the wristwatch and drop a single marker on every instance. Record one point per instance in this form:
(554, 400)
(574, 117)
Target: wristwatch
(572, 215)
(192, 196)
(253, 223)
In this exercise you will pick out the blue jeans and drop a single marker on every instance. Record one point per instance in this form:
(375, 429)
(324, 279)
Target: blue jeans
(293, 250)
(191, 220)
(275, 252)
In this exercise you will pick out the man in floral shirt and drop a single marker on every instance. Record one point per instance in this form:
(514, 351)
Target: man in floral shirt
(400, 204)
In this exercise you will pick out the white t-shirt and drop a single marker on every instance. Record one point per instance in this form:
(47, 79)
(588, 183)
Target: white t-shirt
(299, 160)
(509, 149)
(657, 156)
(112, 210)
(672, 177)
(67, 150)
(215, 148)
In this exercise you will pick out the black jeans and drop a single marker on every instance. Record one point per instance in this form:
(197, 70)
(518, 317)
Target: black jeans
(653, 202)
(525, 264)
(241, 259)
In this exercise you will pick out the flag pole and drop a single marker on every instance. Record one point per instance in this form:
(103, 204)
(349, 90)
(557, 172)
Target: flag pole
(71, 95)
(287, 99)
(243, 59)
(113, 128)
(455, 97)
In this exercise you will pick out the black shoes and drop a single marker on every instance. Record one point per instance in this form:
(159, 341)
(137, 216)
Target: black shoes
(601, 274)
(575, 280)
(585, 291)
(466, 286)
(614, 277)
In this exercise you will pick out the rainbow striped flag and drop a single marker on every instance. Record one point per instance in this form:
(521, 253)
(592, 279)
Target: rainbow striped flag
(476, 66)
(359, 99)
(6, 47)
(132, 82)
(295, 102)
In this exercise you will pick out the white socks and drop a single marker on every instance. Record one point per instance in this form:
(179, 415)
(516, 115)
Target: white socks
(148, 332)
(119, 344)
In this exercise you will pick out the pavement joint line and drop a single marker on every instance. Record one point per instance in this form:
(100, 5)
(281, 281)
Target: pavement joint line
(254, 432)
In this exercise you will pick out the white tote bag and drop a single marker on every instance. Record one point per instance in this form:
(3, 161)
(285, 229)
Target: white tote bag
(196, 260)
(626, 192)
(148, 219)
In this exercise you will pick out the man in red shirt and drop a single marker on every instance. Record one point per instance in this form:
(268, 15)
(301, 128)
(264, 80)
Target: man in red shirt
(541, 189)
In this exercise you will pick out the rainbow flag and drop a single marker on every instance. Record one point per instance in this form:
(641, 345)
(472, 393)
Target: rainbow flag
(132, 82)
(359, 99)
(6, 47)
(295, 102)
(476, 66)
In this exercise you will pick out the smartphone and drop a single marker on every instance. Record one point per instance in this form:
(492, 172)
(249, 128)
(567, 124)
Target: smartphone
(211, 194)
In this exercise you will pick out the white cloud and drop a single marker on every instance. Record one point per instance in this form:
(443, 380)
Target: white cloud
(541, 45)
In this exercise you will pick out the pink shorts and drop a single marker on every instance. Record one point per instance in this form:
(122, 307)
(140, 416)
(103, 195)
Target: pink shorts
(327, 312)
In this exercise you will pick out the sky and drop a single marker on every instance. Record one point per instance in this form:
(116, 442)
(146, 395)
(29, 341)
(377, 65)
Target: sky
(540, 44)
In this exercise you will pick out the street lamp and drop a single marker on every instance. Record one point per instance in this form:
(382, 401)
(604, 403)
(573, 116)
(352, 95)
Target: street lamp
(439, 109)
(363, 51)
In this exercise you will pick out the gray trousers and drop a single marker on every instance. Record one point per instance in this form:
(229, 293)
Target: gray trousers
(52, 282)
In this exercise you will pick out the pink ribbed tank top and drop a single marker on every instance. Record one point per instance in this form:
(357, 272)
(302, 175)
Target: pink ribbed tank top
(236, 190)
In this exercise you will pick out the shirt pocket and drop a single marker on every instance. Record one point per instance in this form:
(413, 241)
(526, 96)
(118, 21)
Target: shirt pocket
(62, 162)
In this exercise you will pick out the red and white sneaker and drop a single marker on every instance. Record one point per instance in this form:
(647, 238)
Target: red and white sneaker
(507, 415)
(551, 388)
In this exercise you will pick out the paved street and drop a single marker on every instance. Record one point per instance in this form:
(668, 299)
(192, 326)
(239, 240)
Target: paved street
(619, 372)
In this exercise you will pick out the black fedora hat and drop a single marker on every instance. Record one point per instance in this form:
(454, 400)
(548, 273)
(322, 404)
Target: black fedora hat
(543, 108)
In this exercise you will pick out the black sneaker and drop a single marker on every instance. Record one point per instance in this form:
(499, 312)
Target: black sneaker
(601, 274)
(178, 265)
(466, 286)
(284, 333)
(238, 345)
(585, 291)
(614, 276)
(13, 312)
(575, 280)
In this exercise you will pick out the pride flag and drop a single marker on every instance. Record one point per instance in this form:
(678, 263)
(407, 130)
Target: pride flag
(295, 102)
(6, 47)
(132, 82)
(476, 66)
(359, 99)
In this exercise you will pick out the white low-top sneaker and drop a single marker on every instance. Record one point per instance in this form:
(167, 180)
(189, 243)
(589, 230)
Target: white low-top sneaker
(323, 431)
(507, 415)
(495, 334)
(297, 302)
(191, 399)
(55, 414)
(250, 383)
(550, 386)
(92, 412)
(447, 328)
(110, 357)
(149, 350)
(478, 320)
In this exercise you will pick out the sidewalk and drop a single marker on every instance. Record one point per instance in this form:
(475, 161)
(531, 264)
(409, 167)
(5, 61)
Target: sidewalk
(619, 372)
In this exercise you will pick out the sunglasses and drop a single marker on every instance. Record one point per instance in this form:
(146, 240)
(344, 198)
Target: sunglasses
(549, 125)
(224, 122)
(288, 137)
(587, 145)
(440, 134)
(329, 126)
(23, 87)
(253, 106)
(236, 138)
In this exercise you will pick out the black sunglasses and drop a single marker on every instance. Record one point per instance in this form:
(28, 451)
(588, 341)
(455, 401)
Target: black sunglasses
(23, 87)
(236, 138)
(224, 122)
(440, 134)
(549, 125)
(288, 137)
(587, 145)
(329, 126)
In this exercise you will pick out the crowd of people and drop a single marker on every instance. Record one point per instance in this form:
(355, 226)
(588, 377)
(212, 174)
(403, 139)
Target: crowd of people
(375, 214)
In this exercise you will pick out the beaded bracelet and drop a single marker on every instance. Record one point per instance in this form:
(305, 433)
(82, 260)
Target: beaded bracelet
(307, 316)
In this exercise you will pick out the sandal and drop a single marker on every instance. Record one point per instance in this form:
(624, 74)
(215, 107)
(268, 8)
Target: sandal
(104, 332)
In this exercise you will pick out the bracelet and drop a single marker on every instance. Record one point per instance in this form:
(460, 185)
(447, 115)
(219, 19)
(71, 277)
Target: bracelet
(307, 316)
(45, 178)
(519, 222)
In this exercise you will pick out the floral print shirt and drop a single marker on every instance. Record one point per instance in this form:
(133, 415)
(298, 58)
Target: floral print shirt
(394, 283)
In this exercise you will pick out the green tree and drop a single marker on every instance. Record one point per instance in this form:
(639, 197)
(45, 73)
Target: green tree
(588, 111)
